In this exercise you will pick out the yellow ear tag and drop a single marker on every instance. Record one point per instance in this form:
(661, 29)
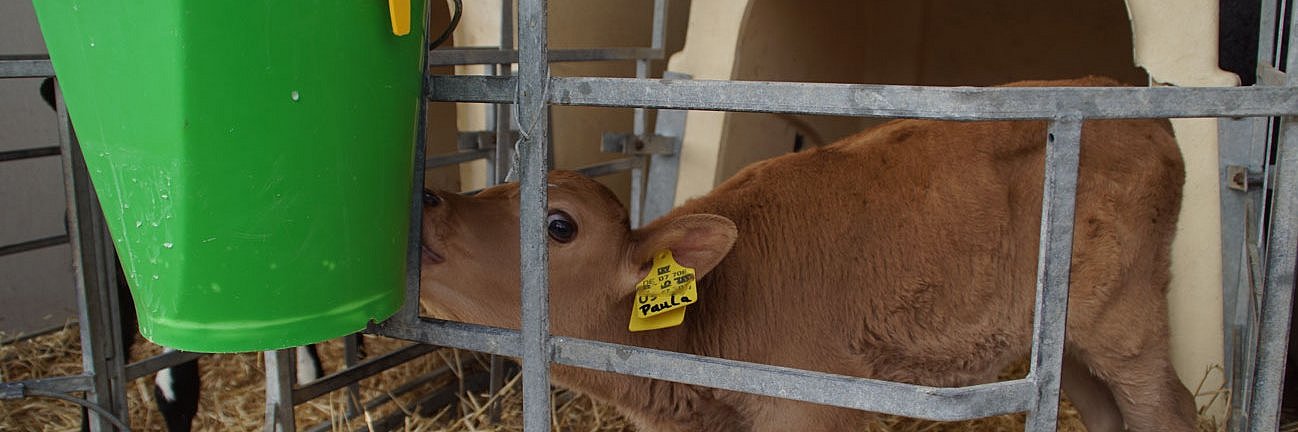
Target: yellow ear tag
(660, 298)
(399, 11)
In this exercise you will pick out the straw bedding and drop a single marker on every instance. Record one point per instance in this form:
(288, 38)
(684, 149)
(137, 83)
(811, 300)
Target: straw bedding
(233, 396)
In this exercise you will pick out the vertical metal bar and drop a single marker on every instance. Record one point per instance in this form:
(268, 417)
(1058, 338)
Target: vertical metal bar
(1058, 198)
(1275, 308)
(279, 391)
(641, 117)
(504, 139)
(351, 356)
(1273, 332)
(112, 332)
(409, 312)
(83, 233)
(496, 172)
(533, 110)
(1240, 335)
(664, 169)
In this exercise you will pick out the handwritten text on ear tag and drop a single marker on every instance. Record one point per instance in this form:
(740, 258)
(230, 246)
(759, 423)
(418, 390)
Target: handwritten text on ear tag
(661, 297)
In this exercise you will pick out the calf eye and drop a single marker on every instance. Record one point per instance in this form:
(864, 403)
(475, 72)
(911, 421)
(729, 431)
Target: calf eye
(561, 227)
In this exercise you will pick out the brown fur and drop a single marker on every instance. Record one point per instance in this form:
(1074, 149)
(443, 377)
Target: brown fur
(906, 252)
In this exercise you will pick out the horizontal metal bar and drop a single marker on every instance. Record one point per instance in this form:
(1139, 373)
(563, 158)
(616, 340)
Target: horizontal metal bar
(932, 403)
(458, 157)
(956, 403)
(25, 67)
(610, 167)
(490, 340)
(33, 245)
(387, 396)
(863, 100)
(63, 384)
(30, 153)
(493, 55)
(159, 362)
(361, 371)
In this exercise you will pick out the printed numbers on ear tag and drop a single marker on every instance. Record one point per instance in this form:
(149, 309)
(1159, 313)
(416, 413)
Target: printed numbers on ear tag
(661, 297)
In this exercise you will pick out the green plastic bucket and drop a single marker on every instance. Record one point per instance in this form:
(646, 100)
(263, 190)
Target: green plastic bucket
(253, 159)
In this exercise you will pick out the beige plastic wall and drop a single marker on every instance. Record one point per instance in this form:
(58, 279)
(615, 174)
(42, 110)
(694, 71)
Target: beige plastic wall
(573, 24)
(933, 42)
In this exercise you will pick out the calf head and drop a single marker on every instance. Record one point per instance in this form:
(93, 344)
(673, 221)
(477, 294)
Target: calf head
(470, 267)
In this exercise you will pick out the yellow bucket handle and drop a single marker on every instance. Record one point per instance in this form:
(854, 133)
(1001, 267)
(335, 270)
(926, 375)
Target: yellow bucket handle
(399, 11)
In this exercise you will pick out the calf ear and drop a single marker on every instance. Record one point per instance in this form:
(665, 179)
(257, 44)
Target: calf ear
(698, 241)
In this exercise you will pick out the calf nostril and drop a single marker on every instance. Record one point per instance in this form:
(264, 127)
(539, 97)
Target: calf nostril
(431, 199)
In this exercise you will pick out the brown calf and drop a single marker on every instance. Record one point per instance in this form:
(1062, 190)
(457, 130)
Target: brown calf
(907, 253)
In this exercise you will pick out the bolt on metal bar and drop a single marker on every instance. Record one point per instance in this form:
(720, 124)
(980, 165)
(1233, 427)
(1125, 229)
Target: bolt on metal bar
(533, 110)
(489, 55)
(25, 67)
(1055, 252)
(892, 101)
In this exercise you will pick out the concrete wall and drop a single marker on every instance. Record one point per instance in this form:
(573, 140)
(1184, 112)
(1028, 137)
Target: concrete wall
(36, 287)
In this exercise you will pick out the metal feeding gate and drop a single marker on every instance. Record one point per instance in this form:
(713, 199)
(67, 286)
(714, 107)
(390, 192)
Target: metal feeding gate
(534, 90)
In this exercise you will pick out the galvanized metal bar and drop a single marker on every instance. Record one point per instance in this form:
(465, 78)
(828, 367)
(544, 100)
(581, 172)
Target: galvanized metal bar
(1055, 253)
(361, 371)
(29, 153)
(641, 119)
(504, 120)
(1240, 334)
(1242, 143)
(610, 167)
(491, 55)
(1275, 311)
(934, 403)
(387, 396)
(866, 100)
(664, 169)
(279, 391)
(25, 67)
(33, 244)
(85, 231)
(497, 168)
(63, 384)
(534, 120)
(893, 398)
(490, 340)
(458, 157)
(351, 357)
(159, 362)
(1275, 306)
(409, 312)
